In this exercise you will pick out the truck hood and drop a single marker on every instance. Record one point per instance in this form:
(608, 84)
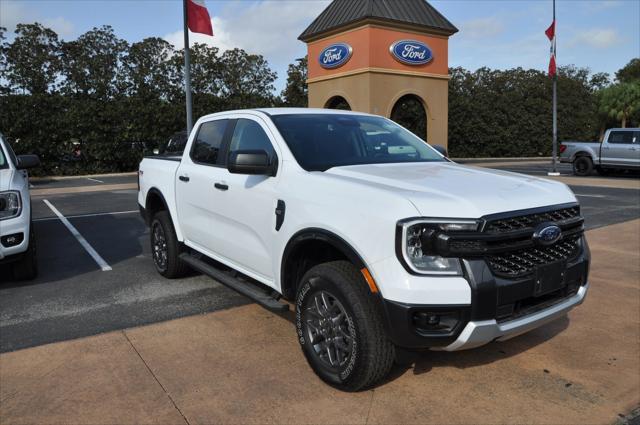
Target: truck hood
(440, 189)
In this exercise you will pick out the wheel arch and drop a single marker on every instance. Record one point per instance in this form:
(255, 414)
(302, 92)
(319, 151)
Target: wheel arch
(309, 247)
(581, 154)
(154, 203)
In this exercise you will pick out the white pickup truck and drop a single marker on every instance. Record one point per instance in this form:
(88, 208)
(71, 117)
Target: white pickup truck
(380, 242)
(17, 238)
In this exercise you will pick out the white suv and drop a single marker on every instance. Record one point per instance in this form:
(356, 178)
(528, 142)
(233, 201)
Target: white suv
(17, 240)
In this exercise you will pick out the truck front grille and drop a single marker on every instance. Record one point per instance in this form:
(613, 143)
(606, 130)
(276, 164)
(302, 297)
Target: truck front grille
(522, 262)
(521, 222)
(507, 244)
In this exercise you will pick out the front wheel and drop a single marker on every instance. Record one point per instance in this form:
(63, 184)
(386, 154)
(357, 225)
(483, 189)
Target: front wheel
(582, 166)
(165, 247)
(340, 327)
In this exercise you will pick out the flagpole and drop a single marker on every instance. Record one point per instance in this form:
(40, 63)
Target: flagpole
(187, 70)
(555, 99)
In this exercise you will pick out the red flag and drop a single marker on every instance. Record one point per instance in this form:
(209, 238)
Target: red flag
(198, 17)
(551, 31)
(551, 34)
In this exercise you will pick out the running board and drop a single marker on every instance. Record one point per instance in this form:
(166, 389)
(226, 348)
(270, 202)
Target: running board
(237, 285)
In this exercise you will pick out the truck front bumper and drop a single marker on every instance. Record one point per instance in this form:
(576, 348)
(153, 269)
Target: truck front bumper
(477, 333)
(14, 238)
(499, 309)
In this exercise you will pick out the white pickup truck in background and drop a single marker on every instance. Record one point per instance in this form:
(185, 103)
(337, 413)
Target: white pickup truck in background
(17, 238)
(619, 150)
(380, 242)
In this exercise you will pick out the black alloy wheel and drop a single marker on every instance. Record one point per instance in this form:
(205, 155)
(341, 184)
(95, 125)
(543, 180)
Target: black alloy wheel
(159, 247)
(327, 325)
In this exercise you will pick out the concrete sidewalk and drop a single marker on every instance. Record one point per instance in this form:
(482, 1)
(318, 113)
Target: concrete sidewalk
(244, 365)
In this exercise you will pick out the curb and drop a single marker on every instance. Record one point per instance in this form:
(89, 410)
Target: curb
(84, 176)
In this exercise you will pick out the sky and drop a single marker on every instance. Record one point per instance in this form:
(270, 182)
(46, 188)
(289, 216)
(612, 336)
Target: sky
(602, 35)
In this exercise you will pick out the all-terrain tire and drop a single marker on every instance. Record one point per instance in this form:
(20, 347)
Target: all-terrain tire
(166, 254)
(26, 268)
(372, 354)
(583, 166)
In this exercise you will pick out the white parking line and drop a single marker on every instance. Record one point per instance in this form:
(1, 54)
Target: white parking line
(89, 215)
(92, 252)
(95, 180)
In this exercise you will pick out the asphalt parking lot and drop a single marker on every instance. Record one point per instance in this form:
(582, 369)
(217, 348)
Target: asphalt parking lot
(73, 297)
(77, 296)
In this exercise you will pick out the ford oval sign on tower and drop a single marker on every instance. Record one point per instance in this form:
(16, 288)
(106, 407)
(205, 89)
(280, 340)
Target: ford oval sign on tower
(335, 56)
(411, 52)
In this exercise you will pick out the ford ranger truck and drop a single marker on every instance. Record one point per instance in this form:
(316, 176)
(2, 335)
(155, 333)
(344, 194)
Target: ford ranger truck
(381, 243)
(17, 239)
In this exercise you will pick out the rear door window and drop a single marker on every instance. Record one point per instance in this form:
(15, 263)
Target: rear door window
(621, 137)
(206, 147)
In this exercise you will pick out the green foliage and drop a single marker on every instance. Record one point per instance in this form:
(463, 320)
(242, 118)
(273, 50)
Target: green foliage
(495, 113)
(296, 93)
(91, 65)
(97, 104)
(630, 72)
(621, 101)
(33, 59)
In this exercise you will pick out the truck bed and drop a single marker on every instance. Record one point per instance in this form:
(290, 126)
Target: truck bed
(158, 173)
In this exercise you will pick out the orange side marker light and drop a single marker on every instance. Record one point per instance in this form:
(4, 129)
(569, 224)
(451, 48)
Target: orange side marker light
(370, 281)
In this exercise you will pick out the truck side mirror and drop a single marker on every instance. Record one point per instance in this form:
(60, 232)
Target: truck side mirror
(251, 162)
(441, 149)
(27, 161)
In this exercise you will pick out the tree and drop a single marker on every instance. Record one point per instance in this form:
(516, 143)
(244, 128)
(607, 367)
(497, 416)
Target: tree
(630, 72)
(33, 59)
(92, 63)
(508, 113)
(147, 68)
(247, 80)
(296, 92)
(3, 60)
(621, 101)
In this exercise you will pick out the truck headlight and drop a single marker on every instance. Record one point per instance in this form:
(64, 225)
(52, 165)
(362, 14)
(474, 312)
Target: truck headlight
(418, 240)
(10, 204)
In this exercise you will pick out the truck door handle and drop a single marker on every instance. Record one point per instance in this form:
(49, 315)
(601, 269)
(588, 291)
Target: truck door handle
(184, 179)
(221, 186)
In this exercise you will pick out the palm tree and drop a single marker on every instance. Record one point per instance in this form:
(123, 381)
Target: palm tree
(620, 101)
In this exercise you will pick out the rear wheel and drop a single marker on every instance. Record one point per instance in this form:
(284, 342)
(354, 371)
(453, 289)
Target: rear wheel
(27, 267)
(340, 328)
(165, 247)
(582, 166)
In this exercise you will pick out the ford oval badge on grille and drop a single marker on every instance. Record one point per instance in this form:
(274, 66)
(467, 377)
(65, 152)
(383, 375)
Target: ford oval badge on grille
(335, 55)
(547, 234)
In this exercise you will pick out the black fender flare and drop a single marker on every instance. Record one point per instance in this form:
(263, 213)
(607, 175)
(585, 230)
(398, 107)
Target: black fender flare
(322, 235)
(153, 192)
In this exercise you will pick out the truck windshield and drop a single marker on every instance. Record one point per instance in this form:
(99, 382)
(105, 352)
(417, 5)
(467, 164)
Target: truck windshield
(323, 141)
